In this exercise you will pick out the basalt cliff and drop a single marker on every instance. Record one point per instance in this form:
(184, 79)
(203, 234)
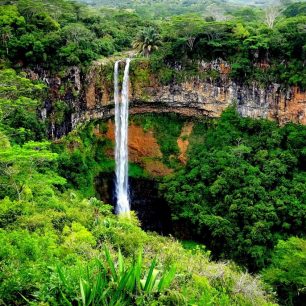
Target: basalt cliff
(79, 97)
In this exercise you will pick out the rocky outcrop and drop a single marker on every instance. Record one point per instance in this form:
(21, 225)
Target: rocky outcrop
(90, 96)
(195, 97)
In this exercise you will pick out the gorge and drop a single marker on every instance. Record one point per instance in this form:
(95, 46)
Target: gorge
(196, 98)
(152, 152)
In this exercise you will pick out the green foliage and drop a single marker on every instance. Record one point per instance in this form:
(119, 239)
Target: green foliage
(22, 170)
(136, 171)
(62, 34)
(287, 271)
(255, 52)
(107, 284)
(243, 188)
(60, 111)
(17, 91)
(147, 41)
(140, 74)
(10, 19)
(159, 9)
(19, 99)
(295, 9)
(82, 157)
(55, 254)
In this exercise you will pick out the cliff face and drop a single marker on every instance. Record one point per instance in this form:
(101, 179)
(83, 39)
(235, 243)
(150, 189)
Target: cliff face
(194, 97)
(143, 149)
(90, 96)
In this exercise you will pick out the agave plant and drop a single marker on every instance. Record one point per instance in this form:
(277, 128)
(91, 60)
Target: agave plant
(147, 41)
(113, 283)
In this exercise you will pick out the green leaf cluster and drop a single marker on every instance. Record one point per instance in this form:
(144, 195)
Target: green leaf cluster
(287, 271)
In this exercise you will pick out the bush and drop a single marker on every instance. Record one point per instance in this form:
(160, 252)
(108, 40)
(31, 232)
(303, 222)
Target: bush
(287, 271)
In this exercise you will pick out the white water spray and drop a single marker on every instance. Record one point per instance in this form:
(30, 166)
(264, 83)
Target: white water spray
(121, 148)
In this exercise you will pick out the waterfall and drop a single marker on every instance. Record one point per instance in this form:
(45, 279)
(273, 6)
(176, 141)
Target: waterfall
(121, 133)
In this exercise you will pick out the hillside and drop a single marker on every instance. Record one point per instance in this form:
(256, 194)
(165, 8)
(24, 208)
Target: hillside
(161, 8)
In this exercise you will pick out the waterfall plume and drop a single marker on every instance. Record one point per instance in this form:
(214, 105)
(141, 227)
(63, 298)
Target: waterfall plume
(121, 134)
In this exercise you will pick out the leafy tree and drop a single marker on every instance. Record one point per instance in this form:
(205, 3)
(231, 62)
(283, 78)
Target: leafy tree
(10, 21)
(187, 27)
(22, 167)
(295, 9)
(17, 91)
(147, 41)
(19, 99)
(247, 14)
(287, 271)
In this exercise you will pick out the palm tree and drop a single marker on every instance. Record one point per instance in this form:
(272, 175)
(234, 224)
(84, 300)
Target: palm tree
(147, 41)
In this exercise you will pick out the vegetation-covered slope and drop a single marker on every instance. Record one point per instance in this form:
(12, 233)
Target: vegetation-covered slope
(243, 187)
(163, 8)
(241, 192)
(55, 251)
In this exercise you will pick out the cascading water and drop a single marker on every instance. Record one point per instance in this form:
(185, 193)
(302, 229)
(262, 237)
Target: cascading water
(121, 148)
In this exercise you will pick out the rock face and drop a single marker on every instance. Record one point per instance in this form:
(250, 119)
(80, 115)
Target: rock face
(90, 96)
(195, 97)
(143, 149)
(183, 141)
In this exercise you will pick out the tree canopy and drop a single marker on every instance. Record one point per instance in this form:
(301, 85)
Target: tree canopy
(243, 188)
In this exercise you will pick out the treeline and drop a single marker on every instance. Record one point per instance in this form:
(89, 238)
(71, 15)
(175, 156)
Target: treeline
(158, 9)
(57, 34)
(263, 46)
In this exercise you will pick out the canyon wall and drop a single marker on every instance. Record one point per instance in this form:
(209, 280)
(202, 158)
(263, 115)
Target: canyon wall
(90, 96)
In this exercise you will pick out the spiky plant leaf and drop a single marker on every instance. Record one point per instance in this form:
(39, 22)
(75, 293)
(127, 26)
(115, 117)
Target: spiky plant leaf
(110, 263)
(166, 279)
(149, 278)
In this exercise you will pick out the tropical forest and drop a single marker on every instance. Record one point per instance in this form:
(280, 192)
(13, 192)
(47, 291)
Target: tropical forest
(153, 152)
